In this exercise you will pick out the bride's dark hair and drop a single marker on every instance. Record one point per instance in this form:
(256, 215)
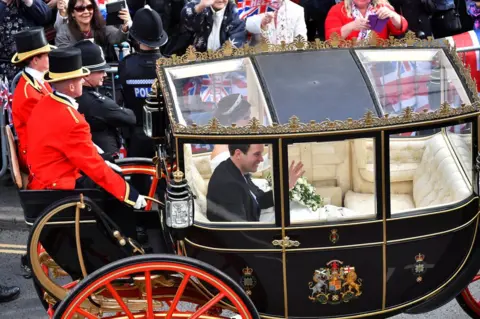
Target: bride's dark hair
(97, 23)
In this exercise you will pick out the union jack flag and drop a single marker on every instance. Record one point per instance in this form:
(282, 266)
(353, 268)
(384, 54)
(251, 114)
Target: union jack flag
(214, 88)
(402, 84)
(470, 58)
(248, 8)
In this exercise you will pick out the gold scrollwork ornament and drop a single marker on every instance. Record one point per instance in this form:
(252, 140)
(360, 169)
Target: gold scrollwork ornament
(294, 125)
(286, 242)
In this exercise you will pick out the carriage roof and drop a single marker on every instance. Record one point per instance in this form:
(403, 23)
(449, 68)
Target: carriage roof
(336, 85)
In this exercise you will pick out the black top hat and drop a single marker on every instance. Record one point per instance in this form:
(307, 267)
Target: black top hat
(65, 64)
(30, 42)
(147, 28)
(232, 108)
(92, 56)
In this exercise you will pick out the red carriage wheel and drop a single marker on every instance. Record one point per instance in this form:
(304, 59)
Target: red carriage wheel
(469, 303)
(220, 296)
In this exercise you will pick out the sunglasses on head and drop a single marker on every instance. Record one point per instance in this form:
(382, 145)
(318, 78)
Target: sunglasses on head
(82, 8)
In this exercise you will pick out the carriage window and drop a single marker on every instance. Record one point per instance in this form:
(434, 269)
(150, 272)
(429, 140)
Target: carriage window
(425, 172)
(227, 90)
(417, 78)
(338, 183)
(223, 193)
(460, 137)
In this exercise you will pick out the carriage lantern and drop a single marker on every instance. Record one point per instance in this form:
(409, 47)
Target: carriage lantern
(179, 206)
(154, 112)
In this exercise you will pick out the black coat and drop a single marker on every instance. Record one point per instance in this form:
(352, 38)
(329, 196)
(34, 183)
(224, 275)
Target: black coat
(105, 117)
(229, 198)
(233, 29)
(416, 15)
(137, 73)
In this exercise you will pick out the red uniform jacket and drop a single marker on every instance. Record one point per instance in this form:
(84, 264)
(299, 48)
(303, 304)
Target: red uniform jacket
(60, 147)
(337, 18)
(27, 94)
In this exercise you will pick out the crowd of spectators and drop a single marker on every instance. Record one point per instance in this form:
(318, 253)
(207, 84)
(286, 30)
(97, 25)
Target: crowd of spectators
(207, 24)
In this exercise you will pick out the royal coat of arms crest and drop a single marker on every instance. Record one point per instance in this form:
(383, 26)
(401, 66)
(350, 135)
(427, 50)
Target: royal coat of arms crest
(335, 284)
(248, 280)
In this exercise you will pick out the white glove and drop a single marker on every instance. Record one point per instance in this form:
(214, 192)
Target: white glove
(115, 167)
(140, 203)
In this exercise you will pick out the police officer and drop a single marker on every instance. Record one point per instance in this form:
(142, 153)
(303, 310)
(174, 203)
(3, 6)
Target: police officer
(137, 73)
(104, 116)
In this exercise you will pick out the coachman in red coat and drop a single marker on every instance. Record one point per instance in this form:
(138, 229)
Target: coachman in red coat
(32, 52)
(61, 154)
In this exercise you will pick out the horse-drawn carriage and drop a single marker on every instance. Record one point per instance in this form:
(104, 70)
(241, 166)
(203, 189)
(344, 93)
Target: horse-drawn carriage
(385, 219)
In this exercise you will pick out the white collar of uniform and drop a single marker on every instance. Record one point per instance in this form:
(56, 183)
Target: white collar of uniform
(70, 99)
(37, 75)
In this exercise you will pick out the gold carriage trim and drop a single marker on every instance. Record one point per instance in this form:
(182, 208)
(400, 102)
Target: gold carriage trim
(369, 120)
(294, 125)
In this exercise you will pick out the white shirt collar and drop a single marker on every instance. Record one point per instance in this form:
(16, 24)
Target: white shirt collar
(70, 99)
(213, 42)
(219, 13)
(37, 75)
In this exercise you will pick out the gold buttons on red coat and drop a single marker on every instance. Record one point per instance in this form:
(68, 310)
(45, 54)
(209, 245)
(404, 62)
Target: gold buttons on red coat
(54, 184)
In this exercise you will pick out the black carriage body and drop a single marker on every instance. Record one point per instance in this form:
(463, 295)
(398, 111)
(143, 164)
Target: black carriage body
(409, 262)
(442, 242)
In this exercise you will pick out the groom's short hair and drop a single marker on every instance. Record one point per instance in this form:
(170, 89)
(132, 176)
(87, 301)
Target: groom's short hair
(242, 147)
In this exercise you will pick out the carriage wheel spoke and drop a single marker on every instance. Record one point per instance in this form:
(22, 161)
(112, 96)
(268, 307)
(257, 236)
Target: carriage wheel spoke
(178, 295)
(86, 314)
(119, 300)
(207, 306)
(148, 288)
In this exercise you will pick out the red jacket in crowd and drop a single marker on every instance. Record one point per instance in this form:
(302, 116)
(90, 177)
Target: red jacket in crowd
(337, 18)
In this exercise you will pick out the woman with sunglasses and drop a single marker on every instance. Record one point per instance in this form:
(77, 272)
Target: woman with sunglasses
(82, 19)
(15, 16)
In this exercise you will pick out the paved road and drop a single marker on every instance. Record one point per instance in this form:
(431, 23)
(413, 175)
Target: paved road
(27, 306)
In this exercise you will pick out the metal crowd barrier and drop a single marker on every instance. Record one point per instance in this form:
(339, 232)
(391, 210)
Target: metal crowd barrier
(112, 71)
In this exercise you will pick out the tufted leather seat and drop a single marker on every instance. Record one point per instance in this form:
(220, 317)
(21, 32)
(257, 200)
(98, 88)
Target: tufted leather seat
(437, 180)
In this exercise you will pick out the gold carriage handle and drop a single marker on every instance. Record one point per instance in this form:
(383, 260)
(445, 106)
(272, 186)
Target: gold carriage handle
(286, 242)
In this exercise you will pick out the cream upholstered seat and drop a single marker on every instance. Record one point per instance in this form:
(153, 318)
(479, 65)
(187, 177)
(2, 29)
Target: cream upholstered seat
(437, 180)
(365, 203)
(327, 167)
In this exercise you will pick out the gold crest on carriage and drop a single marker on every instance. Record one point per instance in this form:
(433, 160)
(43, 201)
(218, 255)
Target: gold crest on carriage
(335, 284)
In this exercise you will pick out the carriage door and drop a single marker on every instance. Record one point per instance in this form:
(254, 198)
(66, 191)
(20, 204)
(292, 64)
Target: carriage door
(334, 239)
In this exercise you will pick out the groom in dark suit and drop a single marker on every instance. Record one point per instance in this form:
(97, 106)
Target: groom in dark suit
(231, 195)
